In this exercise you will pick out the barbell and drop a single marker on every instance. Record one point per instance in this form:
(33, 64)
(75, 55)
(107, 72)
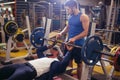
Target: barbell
(10, 28)
(91, 51)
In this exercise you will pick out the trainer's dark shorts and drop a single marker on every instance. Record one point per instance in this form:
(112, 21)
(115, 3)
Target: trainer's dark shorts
(76, 54)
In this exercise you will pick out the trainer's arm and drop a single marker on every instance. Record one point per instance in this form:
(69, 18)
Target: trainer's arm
(65, 30)
(85, 23)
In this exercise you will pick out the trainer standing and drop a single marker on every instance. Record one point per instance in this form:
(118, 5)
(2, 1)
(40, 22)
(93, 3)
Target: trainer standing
(77, 28)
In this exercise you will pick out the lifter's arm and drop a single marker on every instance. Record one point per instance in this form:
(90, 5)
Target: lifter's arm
(40, 50)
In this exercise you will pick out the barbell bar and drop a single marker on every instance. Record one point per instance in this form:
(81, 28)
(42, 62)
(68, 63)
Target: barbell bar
(105, 30)
(65, 43)
(69, 44)
(91, 51)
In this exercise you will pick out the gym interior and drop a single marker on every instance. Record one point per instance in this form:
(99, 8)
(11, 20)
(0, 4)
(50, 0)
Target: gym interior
(91, 26)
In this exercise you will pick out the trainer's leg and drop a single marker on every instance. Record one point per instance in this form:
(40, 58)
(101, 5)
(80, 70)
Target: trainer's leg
(65, 51)
(78, 60)
(79, 70)
(66, 60)
(7, 71)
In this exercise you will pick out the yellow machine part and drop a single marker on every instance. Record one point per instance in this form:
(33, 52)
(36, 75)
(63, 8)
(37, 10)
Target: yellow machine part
(19, 32)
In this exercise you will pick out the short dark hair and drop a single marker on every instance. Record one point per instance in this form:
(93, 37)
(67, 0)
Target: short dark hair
(71, 3)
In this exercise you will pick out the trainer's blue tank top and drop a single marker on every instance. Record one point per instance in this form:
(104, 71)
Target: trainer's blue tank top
(75, 28)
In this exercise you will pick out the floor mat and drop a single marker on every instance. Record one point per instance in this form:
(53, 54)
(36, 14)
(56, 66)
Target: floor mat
(21, 52)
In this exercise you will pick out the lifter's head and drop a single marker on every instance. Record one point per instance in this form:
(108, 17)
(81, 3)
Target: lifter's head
(55, 51)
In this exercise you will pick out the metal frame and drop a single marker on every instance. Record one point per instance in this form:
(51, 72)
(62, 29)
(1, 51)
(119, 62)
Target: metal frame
(34, 5)
(47, 31)
(50, 8)
(113, 19)
(93, 29)
(2, 31)
(8, 51)
(10, 42)
(109, 17)
(7, 3)
(86, 72)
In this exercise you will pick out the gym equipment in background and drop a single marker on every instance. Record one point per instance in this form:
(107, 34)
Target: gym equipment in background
(2, 31)
(16, 34)
(10, 28)
(19, 36)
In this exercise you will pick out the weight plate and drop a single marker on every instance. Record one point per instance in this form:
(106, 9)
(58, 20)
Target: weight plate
(37, 36)
(10, 28)
(88, 52)
(19, 36)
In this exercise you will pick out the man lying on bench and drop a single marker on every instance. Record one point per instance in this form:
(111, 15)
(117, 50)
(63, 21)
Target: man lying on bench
(37, 67)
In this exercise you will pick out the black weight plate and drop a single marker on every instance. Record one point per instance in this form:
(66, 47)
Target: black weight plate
(10, 28)
(88, 52)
